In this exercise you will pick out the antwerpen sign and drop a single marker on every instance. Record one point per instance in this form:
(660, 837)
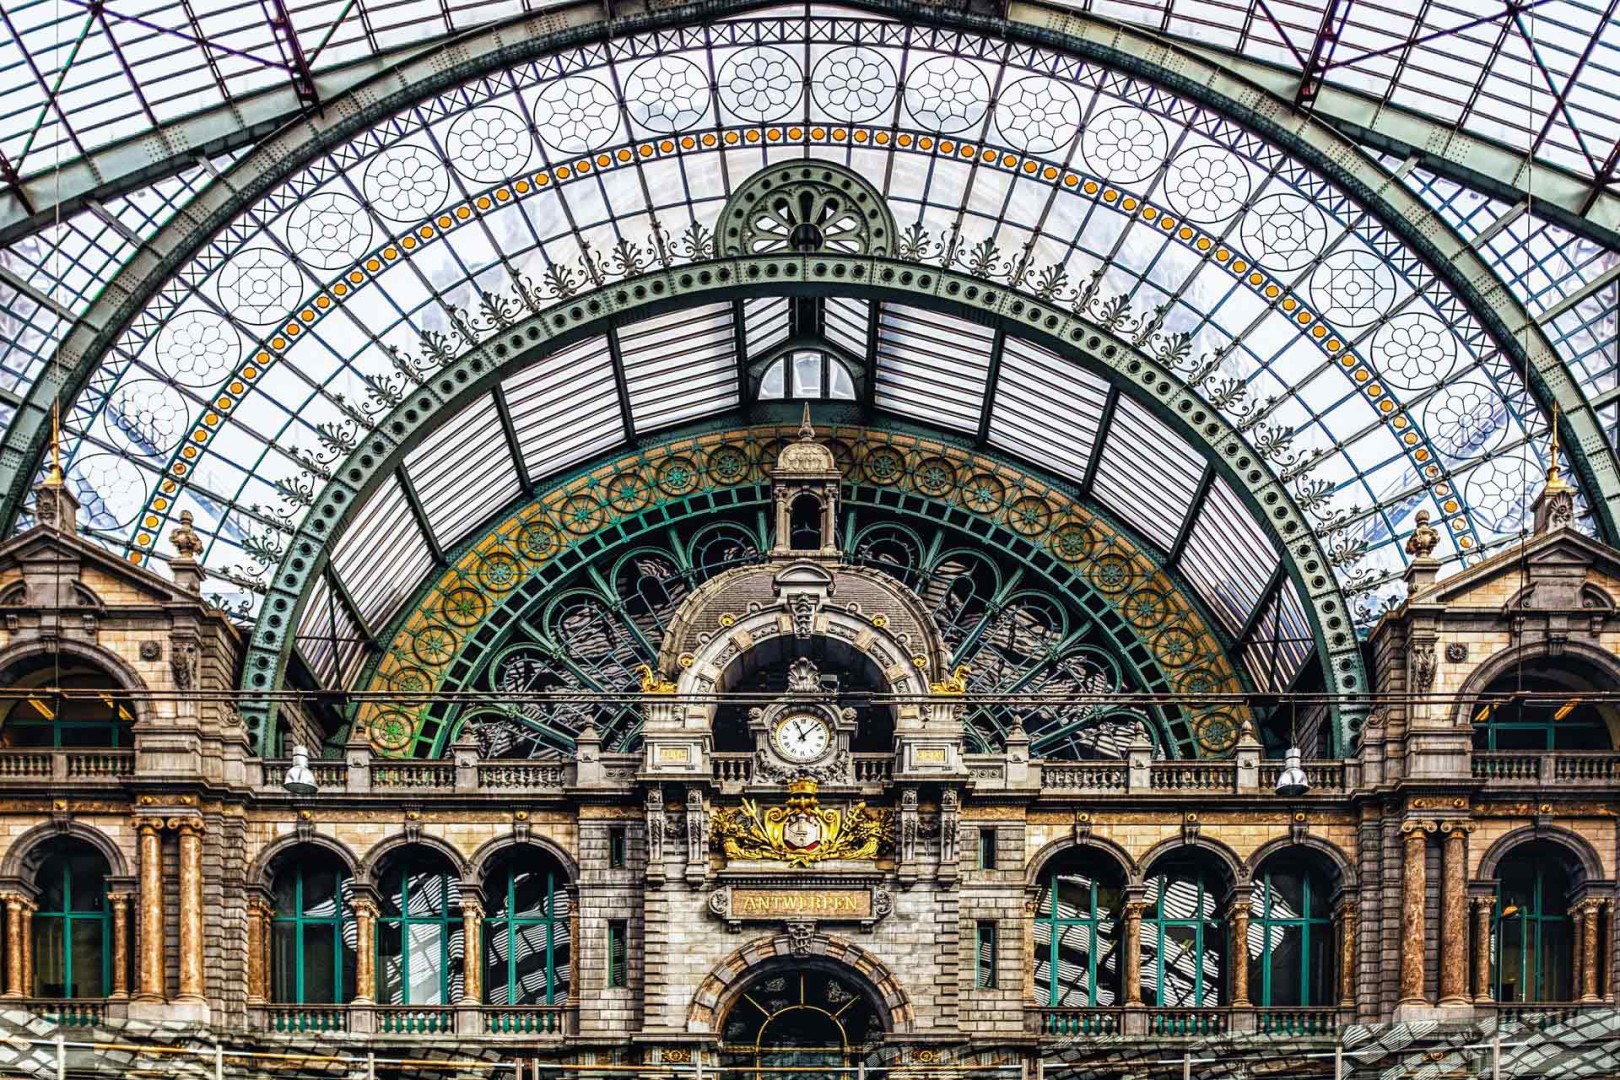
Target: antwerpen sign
(737, 904)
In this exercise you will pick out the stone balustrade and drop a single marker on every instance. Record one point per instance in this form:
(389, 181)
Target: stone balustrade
(61, 765)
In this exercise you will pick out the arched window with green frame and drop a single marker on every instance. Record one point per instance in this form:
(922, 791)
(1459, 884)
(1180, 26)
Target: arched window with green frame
(72, 929)
(1290, 948)
(1183, 934)
(1533, 932)
(70, 704)
(528, 933)
(312, 930)
(1077, 929)
(1546, 704)
(419, 931)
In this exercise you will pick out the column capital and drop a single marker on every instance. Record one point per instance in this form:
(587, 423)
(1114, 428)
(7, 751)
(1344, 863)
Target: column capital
(363, 907)
(1457, 829)
(471, 906)
(188, 825)
(147, 824)
(1416, 828)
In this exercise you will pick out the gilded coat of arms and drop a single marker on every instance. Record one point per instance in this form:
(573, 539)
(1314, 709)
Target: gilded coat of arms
(801, 831)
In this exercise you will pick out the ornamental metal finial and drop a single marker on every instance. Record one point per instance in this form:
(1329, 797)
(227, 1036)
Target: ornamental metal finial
(1424, 539)
(187, 544)
(1555, 477)
(54, 477)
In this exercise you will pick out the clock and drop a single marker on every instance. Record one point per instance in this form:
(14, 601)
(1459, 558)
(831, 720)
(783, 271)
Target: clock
(800, 737)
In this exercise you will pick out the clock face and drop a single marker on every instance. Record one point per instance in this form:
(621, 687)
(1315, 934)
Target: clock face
(801, 737)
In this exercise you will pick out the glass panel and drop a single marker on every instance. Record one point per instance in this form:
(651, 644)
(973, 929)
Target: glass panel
(807, 374)
(50, 957)
(426, 948)
(320, 964)
(284, 962)
(89, 943)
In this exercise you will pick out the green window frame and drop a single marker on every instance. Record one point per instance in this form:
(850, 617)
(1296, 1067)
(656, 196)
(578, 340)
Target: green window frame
(1307, 982)
(1532, 939)
(984, 953)
(75, 936)
(1183, 948)
(49, 721)
(512, 940)
(304, 930)
(618, 953)
(1077, 928)
(430, 934)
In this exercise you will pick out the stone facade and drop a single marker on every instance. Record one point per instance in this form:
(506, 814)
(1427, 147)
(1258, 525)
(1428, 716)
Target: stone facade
(1414, 828)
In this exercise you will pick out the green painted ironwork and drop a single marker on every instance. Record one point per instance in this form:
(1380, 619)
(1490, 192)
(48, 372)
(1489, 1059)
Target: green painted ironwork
(1155, 381)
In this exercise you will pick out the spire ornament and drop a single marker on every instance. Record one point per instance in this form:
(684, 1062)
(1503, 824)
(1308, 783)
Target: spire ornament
(54, 504)
(1554, 508)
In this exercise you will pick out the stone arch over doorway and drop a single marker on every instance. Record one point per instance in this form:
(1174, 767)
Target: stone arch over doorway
(722, 987)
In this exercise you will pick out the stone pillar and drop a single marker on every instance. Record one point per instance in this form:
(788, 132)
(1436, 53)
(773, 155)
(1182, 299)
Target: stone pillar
(1133, 951)
(120, 945)
(1484, 906)
(365, 948)
(1347, 953)
(28, 947)
(472, 950)
(1237, 921)
(191, 912)
(14, 943)
(1577, 949)
(1454, 914)
(1589, 951)
(149, 924)
(1414, 880)
(258, 950)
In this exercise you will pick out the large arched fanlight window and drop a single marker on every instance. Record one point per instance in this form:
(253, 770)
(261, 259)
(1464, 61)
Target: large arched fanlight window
(75, 705)
(1545, 704)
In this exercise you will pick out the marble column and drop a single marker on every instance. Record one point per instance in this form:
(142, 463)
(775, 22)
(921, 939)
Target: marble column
(1132, 946)
(365, 947)
(120, 945)
(1454, 914)
(28, 909)
(258, 933)
(1237, 954)
(472, 951)
(14, 942)
(1589, 951)
(191, 912)
(1414, 881)
(149, 923)
(1347, 953)
(1484, 907)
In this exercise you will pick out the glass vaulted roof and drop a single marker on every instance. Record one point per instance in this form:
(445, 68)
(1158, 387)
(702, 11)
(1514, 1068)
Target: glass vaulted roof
(274, 335)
